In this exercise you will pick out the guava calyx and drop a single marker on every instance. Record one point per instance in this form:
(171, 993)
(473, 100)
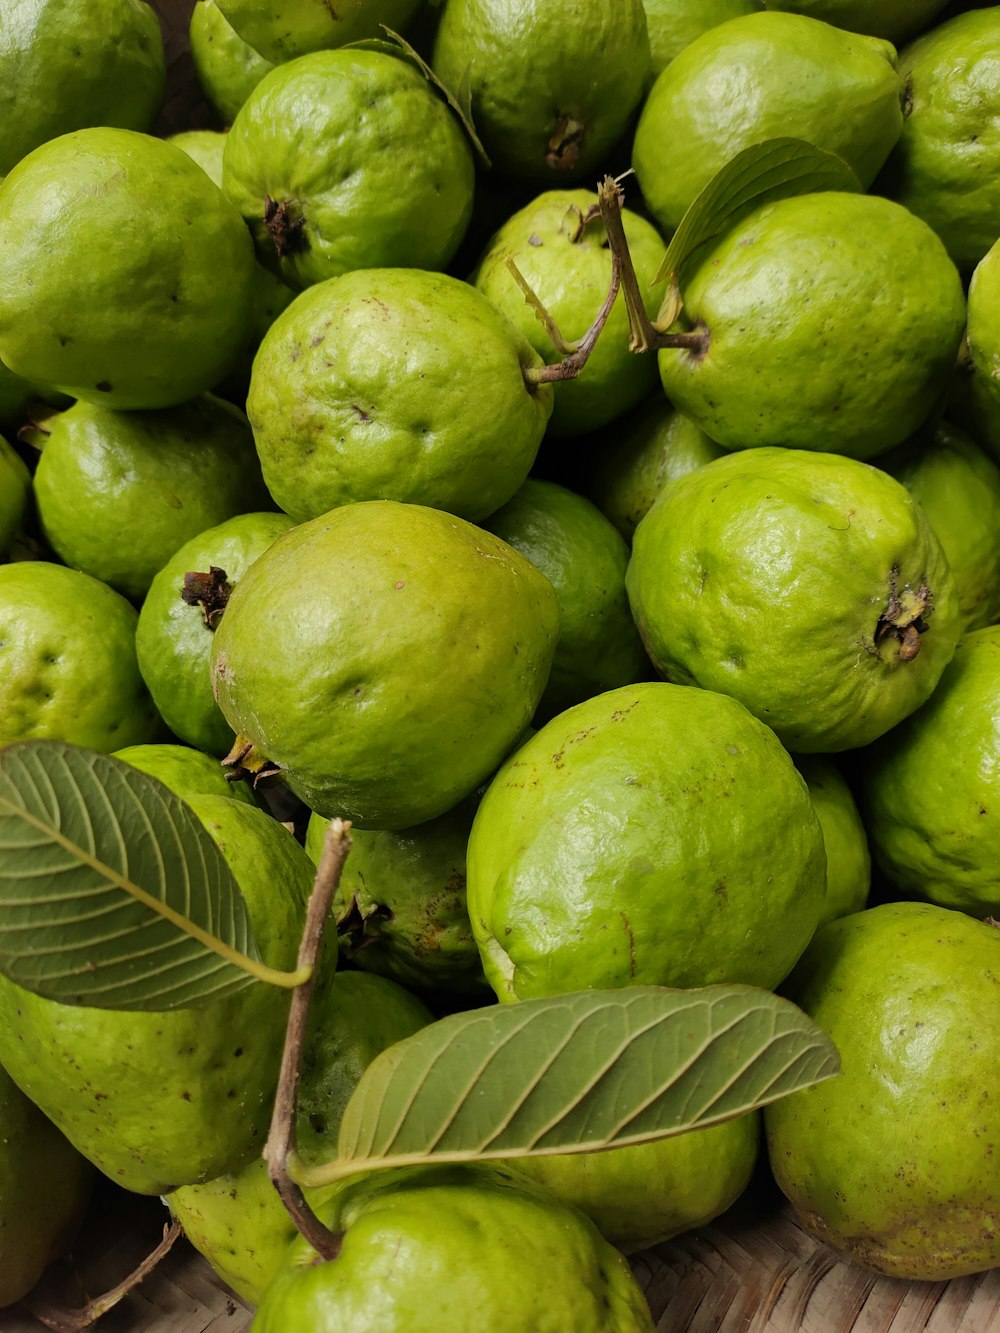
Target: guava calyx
(209, 592)
(565, 143)
(246, 764)
(359, 926)
(905, 616)
(285, 226)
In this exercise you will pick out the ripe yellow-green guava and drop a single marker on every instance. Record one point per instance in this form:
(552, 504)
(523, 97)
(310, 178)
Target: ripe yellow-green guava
(228, 68)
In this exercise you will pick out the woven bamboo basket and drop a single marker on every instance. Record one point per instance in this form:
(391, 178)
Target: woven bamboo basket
(752, 1271)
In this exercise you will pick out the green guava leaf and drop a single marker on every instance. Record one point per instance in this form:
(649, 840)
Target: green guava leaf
(576, 1073)
(112, 892)
(760, 174)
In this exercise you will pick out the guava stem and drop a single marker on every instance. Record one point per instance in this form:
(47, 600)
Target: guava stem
(72, 1321)
(542, 314)
(644, 336)
(281, 1146)
(570, 366)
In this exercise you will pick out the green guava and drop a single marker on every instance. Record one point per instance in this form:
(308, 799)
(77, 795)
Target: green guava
(176, 627)
(400, 907)
(345, 160)
(973, 406)
(395, 384)
(143, 324)
(69, 64)
(930, 790)
(18, 397)
(455, 1247)
(551, 87)
(893, 1163)
(946, 166)
(654, 835)
(68, 669)
(284, 29)
(984, 322)
(848, 861)
(625, 470)
(119, 492)
(15, 493)
(958, 487)
(206, 147)
(808, 586)
(584, 559)
(237, 1221)
(185, 771)
(560, 247)
(649, 1192)
(674, 24)
(414, 649)
(800, 312)
(761, 77)
(158, 1100)
(228, 68)
(895, 20)
(44, 1188)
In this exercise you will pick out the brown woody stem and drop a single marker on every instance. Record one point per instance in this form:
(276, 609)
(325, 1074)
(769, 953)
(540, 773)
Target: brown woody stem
(570, 366)
(280, 1148)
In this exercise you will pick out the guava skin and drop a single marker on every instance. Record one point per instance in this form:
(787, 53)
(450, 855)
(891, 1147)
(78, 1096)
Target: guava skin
(15, 493)
(395, 384)
(237, 1220)
(66, 66)
(552, 84)
(895, 20)
(173, 642)
(568, 265)
(414, 650)
(158, 1100)
(984, 324)
(761, 77)
(44, 1188)
(228, 68)
(892, 1163)
(185, 771)
(654, 835)
(119, 492)
(147, 324)
(455, 1247)
(281, 30)
(809, 586)
(798, 305)
(674, 24)
(929, 790)
(848, 860)
(364, 165)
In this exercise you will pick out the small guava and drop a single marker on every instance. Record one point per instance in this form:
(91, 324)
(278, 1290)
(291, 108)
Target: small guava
(414, 648)
(893, 1162)
(228, 68)
(848, 860)
(146, 324)
(809, 586)
(654, 835)
(455, 1247)
(281, 30)
(15, 493)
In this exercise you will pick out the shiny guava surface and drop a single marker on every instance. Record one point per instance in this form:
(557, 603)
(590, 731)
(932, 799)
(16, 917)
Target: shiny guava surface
(551, 86)
(930, 791)
(958, 486)
(654, 835)
(174, 637)
(848, 860)
(893, 1163)
(283, 29)
(400, 906)
(119, 492)
(762, 77)
(349, 159)
(585, 559)
(560, 248)
(455, 1247)
(185, 771)
(808, 586)
(626, 470)
(802, 310)
(206, 147)
(640, 1195)
(15, 491)
(674, 24)
(895, 20)
(158, 1100)
(237, 1220)
(414, 648)
(228, 68)
(147, 323)
(395, 384)
(946, 166)
(44, 1188)
(68, 668)
(68, 64)
(984, 322)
